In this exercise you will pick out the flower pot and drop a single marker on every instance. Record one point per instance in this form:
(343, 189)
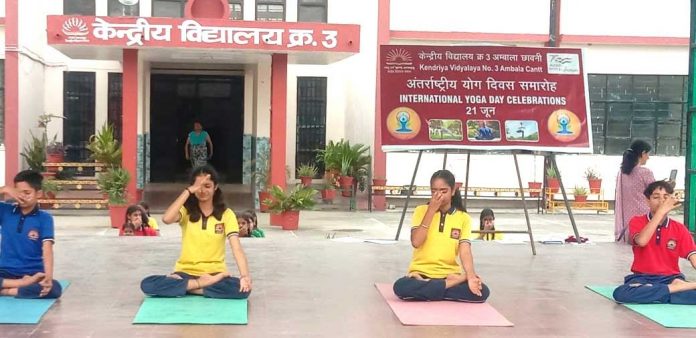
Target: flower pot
(534, 185)
(50, 195)
(306, 181)
(554, 184)
(263, 195)
(328, 195)
(379, 182)
(346, 186)
(595, 185)
(117, 213)
(276, 219)
(54, 158)
(291, 219)
(580, 198)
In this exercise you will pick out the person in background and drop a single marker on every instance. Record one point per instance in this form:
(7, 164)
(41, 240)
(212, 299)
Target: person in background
(248, 224)
(136, 219)
(151, 221)
(197, 144)
(487, 222)
(631, 181)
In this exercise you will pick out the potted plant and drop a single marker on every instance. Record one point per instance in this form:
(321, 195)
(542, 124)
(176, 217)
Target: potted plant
(114, 182)
(594, 180)
(289, 203)
(552, 180)
(49, 188)
(331, 157)
(580, 194)
(105, 148)
(346, 179)
(328, 191)
(307, 173)
(379, 182)
(34, 153)
(55, 153)
(534, 186)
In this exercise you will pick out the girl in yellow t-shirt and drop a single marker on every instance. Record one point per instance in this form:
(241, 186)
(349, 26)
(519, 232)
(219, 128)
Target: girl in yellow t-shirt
(440, 233)
(487, 220)
(206, 224)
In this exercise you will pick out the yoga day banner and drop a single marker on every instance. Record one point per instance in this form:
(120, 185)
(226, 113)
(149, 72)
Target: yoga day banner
(484, 98)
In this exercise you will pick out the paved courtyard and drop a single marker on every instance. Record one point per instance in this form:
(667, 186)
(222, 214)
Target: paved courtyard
(306, 285)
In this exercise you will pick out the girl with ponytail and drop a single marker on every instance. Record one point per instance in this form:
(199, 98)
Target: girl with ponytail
(631, 181)
(441, 231)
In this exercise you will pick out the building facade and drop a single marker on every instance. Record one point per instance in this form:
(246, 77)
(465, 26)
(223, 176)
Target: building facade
(252, 94)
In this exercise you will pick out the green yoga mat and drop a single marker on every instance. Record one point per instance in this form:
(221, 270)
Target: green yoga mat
(667, 315)
(191, 310)
(25, 311)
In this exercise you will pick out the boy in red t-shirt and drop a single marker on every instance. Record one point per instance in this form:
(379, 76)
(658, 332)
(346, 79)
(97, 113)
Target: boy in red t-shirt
(658, 242)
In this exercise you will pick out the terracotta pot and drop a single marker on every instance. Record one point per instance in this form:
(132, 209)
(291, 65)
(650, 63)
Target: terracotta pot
(118, 215)
(54, 158)
(580, 198)
(50, 195)
(306, 181)
(379, 182)
(276, 219)
(595, 186)
(534, 185)
(346, 186)
(291, 219)
(328, 195)
(554, 184)
(263, 195)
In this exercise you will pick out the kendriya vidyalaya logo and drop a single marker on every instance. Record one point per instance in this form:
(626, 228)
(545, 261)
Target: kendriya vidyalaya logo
(75, 30)
(398, 61)
(403, 123)
(564, 125)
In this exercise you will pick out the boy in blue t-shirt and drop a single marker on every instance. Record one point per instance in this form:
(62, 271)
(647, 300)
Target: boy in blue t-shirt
(26, 250)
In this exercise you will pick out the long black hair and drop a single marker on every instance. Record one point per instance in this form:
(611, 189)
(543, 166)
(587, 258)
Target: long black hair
(133, 208)
(192, 205)
(448, 177)
(633, 154)
(486, 213)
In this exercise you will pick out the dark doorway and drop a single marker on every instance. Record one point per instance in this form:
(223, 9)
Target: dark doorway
(175, 102)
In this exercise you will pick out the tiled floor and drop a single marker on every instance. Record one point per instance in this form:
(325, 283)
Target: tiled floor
(308, 286)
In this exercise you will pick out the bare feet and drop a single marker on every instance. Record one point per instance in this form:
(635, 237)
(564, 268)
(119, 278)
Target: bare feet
(417, 276)
(454, 280)
(208, 280)
(679, 285)
(35, 278)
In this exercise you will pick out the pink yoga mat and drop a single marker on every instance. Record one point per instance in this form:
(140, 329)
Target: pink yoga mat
(441, 313)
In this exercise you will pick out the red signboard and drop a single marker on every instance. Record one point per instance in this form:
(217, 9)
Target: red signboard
(141, 32)
(484, 98)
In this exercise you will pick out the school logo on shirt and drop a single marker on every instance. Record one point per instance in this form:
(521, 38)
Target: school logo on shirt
(219, 228)
(455, 233)
(33, 235)
(671, 244)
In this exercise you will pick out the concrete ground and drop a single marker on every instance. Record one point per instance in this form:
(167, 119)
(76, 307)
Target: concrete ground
(305, 285)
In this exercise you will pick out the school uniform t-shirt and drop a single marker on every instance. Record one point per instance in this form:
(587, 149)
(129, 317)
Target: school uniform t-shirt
(203, 243)
(437, 257)
(21, 249)
(660, 256)
(152, 222)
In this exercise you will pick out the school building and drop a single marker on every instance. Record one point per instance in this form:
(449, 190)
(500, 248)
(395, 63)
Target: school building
(294, 74)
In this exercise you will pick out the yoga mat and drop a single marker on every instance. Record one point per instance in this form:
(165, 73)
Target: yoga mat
(26, 311)
(667, 315)
(191, 310)
(441, 313)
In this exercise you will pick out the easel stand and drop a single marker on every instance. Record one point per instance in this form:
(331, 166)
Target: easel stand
(552, 160)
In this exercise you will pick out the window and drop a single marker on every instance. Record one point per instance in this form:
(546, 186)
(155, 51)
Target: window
(168, 8)
(312, 11)
(270, 10)
(78, 109)
(79, 7)
(115, 104)
(236, 9)
(311, 119)
(124, 7)
(628, 107)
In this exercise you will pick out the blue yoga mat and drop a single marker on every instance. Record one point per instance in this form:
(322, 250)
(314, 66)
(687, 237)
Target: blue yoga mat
(191, 310)
(25, 311)
(667, 315)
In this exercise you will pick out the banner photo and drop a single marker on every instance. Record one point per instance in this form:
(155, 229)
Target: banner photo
(484, 98)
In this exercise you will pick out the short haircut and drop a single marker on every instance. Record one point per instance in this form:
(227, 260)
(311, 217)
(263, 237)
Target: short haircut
(667, 186)
(31, 177)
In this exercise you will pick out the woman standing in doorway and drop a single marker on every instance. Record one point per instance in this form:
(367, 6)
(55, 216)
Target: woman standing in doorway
(198, 141)
(630, 184)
